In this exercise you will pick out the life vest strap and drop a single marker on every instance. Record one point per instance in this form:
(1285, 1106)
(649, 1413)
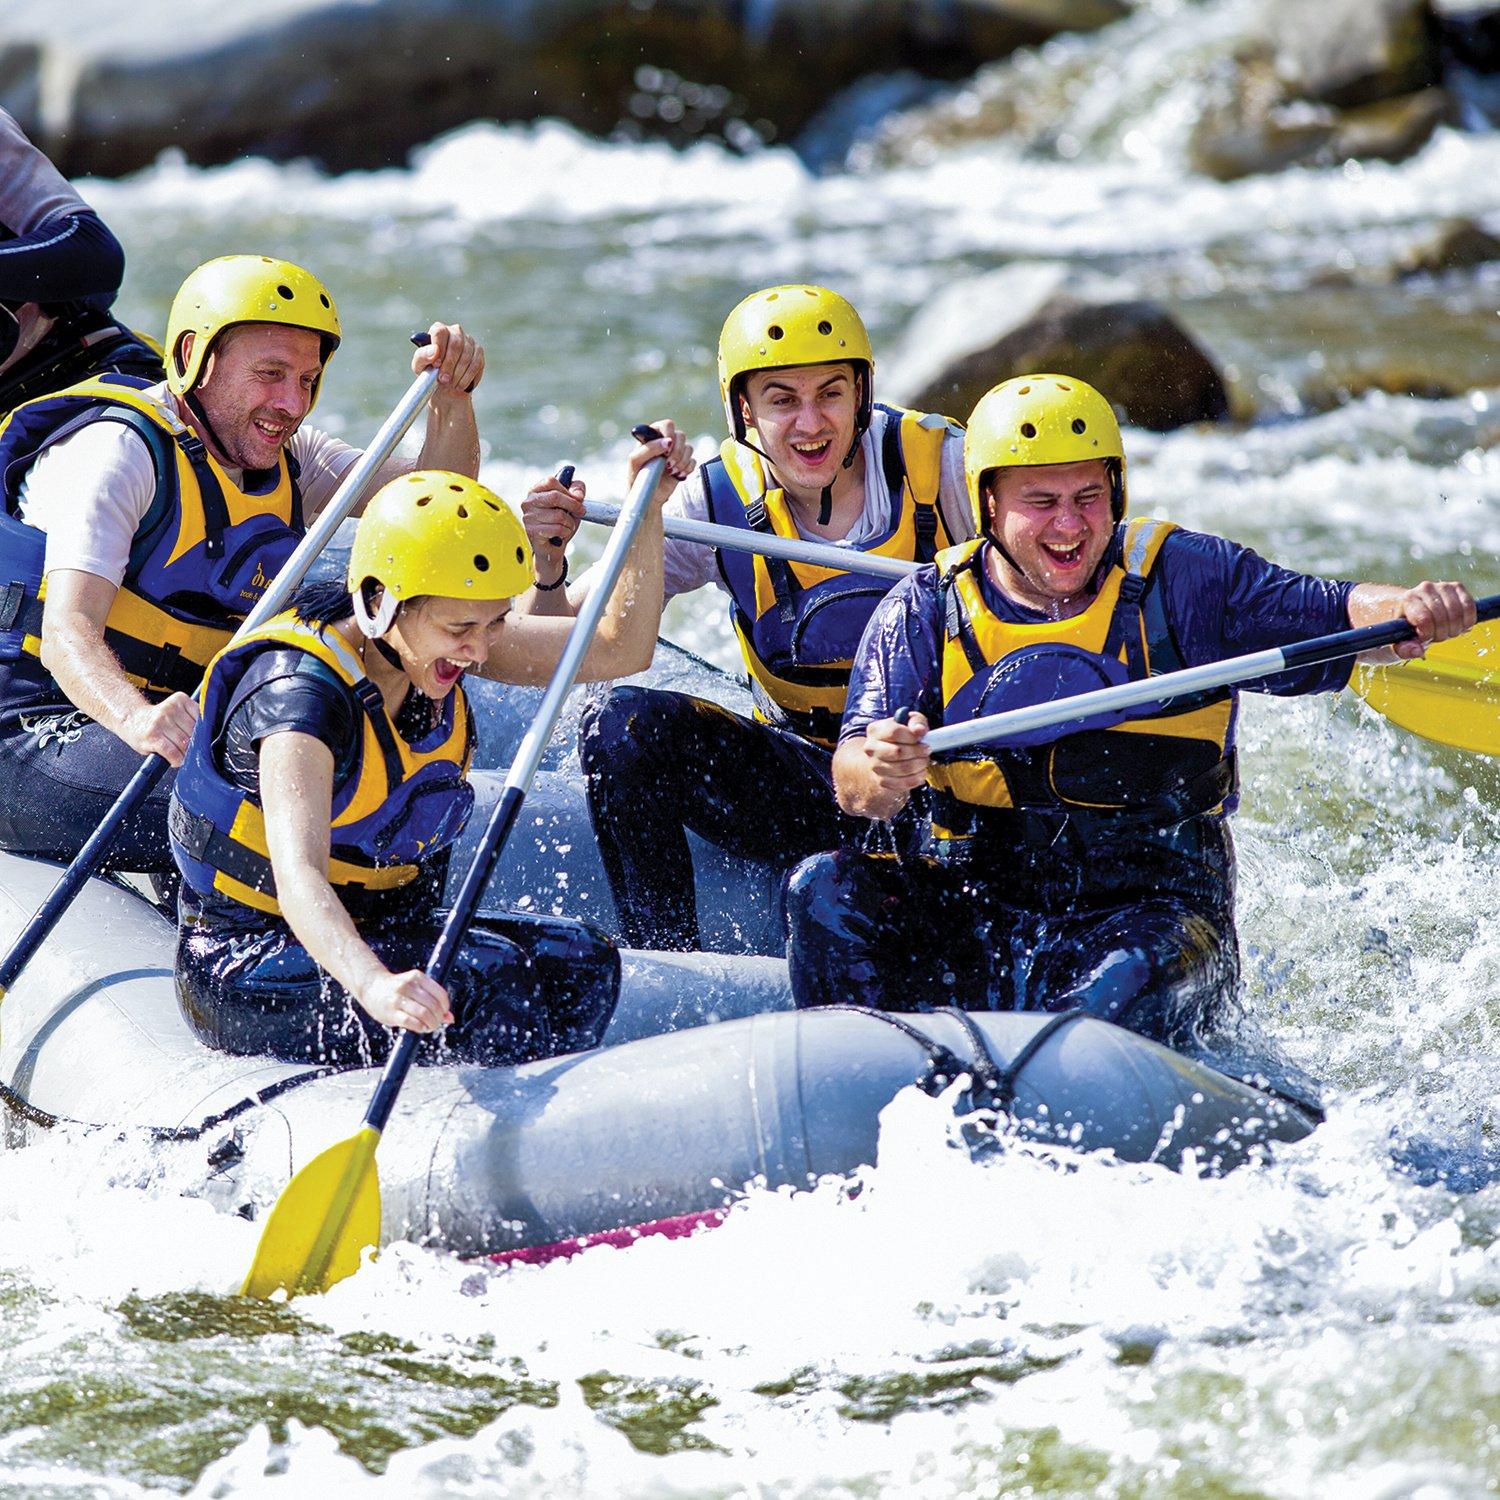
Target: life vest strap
(956, 623)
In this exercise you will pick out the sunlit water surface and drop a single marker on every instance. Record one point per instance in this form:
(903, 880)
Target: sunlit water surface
(1323, 1325)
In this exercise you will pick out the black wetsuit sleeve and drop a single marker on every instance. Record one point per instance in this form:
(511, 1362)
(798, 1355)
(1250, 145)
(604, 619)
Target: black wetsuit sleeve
(287, 691)
(69, 258)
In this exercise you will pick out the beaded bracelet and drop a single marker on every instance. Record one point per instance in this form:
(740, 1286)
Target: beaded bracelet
(547, 588)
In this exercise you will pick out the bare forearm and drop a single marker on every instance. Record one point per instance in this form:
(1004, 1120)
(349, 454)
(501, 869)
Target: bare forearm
(88, 672)
(563, 603)
(452, 439)
(626, 639)
(1374, 603)
(322, 925)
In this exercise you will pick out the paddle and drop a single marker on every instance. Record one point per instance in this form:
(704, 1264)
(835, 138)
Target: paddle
(1169, 685)
(329, 1213)
(793, 549)
(272, 602)
(1451, 695)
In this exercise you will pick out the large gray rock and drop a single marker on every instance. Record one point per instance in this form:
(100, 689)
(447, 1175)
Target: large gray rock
(1454, 245)
(1249, 126)
(1351, 52)
(105, 87)
(1025, 319)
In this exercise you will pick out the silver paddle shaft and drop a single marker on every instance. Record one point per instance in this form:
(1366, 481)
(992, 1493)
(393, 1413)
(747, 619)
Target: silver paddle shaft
(792, 549)
(1214, 674)
(627, 521)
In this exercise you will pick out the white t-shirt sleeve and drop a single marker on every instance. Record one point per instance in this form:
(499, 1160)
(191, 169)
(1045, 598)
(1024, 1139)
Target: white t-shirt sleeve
(953, 490)
(89, 493)
(323, 461)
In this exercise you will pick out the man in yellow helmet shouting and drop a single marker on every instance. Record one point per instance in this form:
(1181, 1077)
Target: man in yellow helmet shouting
(1089, 865)
(142, 522)
(812, 455)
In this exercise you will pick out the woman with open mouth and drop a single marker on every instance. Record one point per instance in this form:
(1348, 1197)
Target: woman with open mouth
(326, 783)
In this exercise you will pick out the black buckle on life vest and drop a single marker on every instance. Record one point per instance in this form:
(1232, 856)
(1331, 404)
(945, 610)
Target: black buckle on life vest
(924, 520)
(1127, 625)
(194, 831)
(958, 626)
(11, 599)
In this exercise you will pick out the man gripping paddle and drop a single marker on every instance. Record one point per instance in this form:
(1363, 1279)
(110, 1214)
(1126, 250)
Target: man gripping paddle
(1089, 864)
(811, 455)
(142, 523)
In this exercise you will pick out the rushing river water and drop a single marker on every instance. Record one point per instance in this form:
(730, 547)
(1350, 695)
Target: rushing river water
(1324, 1325)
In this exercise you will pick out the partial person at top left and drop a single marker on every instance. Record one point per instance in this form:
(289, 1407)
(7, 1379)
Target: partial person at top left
(60, 268)
(142, 522)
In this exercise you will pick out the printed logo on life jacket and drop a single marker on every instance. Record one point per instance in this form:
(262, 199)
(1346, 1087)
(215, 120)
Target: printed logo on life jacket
(257, 586)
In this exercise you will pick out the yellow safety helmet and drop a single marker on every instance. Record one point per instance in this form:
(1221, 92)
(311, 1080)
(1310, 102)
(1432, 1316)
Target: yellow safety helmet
(431, 532)
(792, 325)
(1041, 419)
(237, 289)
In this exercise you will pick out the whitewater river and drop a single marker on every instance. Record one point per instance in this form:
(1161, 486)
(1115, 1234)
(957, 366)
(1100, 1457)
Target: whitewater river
(1322, 1326)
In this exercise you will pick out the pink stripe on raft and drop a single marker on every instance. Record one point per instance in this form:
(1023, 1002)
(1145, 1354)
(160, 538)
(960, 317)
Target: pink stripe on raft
(676, 1228)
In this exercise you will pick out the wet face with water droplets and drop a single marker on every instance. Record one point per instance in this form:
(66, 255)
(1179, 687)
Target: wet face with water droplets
(1055, 521)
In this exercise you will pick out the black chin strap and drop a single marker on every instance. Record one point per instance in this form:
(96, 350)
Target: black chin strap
(195, 406)
(392, 657)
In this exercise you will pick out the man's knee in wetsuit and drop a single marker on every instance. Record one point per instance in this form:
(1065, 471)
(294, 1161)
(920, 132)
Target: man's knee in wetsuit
(868, 929)
(1158, 968)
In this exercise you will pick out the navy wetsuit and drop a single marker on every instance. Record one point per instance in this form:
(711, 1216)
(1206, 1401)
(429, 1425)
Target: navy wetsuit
(522, 987)
(1129, 917)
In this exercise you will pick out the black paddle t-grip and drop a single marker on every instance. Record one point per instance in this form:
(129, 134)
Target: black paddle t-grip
(564, 478)
(644, 434)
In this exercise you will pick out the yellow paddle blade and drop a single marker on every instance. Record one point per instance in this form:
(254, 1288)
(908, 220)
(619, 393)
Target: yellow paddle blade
(1451, 695)
(324, 1220)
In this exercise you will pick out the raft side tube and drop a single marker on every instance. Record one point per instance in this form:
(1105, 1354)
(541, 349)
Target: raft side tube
(677, 1125)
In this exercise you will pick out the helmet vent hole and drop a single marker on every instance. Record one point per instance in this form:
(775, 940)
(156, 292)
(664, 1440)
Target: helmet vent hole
(1079, 425)
(1027, 430)
(520, 555)
(457, 489)
(285, 292)
(1062, 385)
(1025, 390)
(492, 505)
(825, 327)
(424, 499)
(463, 514)
(481, 562)
(323, 298)
(776, 331)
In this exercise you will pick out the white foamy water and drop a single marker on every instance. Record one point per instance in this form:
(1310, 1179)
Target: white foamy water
(1324, 1324)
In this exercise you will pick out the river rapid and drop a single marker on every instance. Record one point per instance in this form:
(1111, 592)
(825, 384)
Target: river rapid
(1032, 1325)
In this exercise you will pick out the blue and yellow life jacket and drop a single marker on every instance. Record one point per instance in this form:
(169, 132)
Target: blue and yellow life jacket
(401, 803)
(1160, 763)
(799, 625)
(204, 553)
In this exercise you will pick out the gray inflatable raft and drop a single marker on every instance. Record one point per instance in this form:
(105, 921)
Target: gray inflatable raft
(661, 1127)
(655, 1132)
